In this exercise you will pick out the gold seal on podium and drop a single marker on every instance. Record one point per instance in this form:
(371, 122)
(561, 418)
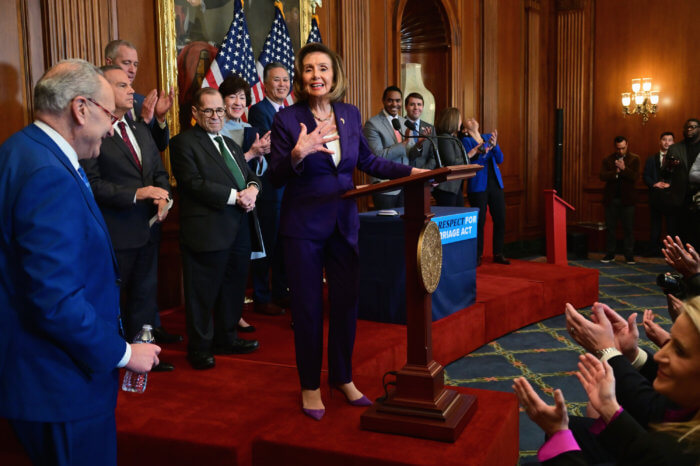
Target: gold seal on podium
(430, 256)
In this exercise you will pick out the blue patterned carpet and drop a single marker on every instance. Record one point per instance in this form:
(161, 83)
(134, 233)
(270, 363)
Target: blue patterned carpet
(546, 355)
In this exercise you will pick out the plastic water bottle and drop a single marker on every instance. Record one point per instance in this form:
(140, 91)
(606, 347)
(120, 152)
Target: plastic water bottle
(133, 381)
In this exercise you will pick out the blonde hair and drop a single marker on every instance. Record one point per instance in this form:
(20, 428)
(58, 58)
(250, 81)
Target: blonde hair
(340, 82)
(688, 431)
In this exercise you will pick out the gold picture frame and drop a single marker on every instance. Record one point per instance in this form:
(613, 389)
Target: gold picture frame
(167, 54)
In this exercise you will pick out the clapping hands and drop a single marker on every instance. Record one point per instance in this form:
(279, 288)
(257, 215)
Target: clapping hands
(551, 419)
(260, 147)
(598, 380)
(654, 331)
(684, 259)
(156, 104)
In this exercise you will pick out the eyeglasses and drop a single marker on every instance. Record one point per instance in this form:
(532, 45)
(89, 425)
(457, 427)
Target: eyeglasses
(209, 112)
(111, 116)
(691, 126)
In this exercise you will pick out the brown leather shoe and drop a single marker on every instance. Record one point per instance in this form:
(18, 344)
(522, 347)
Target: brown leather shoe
(268, 309)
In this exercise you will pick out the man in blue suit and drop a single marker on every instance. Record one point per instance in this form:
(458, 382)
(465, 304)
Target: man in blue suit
(270, 293)
(60, 345)
(152, 108)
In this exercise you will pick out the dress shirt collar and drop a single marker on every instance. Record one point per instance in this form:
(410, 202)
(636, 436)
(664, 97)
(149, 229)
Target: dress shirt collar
(121, 120)
(274, 104)
(212, 136)
(389, 117)
(60, 141)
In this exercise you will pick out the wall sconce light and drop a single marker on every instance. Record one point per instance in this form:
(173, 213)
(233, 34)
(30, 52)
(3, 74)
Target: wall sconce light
(642, 100)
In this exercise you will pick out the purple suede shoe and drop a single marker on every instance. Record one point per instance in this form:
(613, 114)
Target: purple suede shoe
(362, 401)
(315, 414)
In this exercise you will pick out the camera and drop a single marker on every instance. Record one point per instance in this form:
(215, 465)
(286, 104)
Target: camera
(671, 283)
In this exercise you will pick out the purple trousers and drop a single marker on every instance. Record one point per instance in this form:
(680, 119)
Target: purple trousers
(305, 260)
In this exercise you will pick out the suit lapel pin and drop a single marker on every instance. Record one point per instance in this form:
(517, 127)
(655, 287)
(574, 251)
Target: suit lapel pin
(342, 120)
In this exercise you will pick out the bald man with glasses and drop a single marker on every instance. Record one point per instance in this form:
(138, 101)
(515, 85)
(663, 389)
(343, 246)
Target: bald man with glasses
(218, 192)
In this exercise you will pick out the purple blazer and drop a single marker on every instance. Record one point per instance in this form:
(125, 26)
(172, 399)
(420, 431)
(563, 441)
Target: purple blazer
(312, 204)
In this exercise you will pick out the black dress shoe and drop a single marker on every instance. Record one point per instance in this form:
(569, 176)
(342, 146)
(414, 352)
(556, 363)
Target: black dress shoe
(201, 360)
(239, 346)
(248, 329)
(284, 303)
(499, 259)
(268, 309)
(164, 337)
(163, 367)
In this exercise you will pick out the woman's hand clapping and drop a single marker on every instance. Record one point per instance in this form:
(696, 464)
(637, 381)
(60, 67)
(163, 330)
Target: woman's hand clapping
(551, 419)
(599, 382)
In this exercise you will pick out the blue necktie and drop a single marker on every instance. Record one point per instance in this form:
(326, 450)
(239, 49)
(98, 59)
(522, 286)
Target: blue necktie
(84, 177)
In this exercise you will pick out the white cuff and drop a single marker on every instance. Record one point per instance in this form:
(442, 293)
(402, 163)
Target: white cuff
(232, 197)
(640, 359)
(127, 355)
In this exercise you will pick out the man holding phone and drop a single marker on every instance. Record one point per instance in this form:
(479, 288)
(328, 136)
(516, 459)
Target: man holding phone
(619, 171)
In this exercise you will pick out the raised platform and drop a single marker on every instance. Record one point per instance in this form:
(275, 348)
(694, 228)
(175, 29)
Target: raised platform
(247, 410)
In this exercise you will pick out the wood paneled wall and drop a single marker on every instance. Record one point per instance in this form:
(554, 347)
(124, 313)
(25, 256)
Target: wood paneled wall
(509, 63)
(635, 39)
(21, 62)
(574, 64)
(77, 29)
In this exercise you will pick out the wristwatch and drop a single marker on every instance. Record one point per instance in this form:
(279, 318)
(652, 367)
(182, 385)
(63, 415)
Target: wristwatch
(607, 353)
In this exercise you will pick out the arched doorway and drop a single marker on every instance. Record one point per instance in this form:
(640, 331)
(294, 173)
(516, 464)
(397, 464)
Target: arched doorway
(426, 39)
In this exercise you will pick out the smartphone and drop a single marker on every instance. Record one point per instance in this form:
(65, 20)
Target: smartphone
(486, 145)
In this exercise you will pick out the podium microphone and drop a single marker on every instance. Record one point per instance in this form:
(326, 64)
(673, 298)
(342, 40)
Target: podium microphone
(412, 126)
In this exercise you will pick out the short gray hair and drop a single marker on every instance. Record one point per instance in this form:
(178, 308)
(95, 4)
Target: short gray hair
(113, 47)
(63, 82)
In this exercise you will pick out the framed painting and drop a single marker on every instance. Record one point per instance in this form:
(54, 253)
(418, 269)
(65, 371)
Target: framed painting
(189, 34)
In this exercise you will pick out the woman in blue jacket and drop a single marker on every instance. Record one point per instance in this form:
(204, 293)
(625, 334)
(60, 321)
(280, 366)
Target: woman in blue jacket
(486, 188)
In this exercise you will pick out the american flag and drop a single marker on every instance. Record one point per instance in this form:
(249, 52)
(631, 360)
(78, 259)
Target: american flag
(235, 55)
(314, 33)
(278, 48)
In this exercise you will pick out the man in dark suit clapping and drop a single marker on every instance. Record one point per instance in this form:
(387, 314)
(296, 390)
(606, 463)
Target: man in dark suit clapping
(151, 108)
(217, 191)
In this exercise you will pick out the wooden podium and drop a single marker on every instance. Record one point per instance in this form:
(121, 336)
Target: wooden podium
(555, 218)
(420, 405)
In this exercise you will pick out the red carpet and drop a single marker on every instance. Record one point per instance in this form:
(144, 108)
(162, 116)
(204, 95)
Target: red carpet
(247, 410)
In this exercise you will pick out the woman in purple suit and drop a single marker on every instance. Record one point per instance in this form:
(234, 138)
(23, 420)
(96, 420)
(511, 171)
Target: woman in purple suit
(316, 145)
